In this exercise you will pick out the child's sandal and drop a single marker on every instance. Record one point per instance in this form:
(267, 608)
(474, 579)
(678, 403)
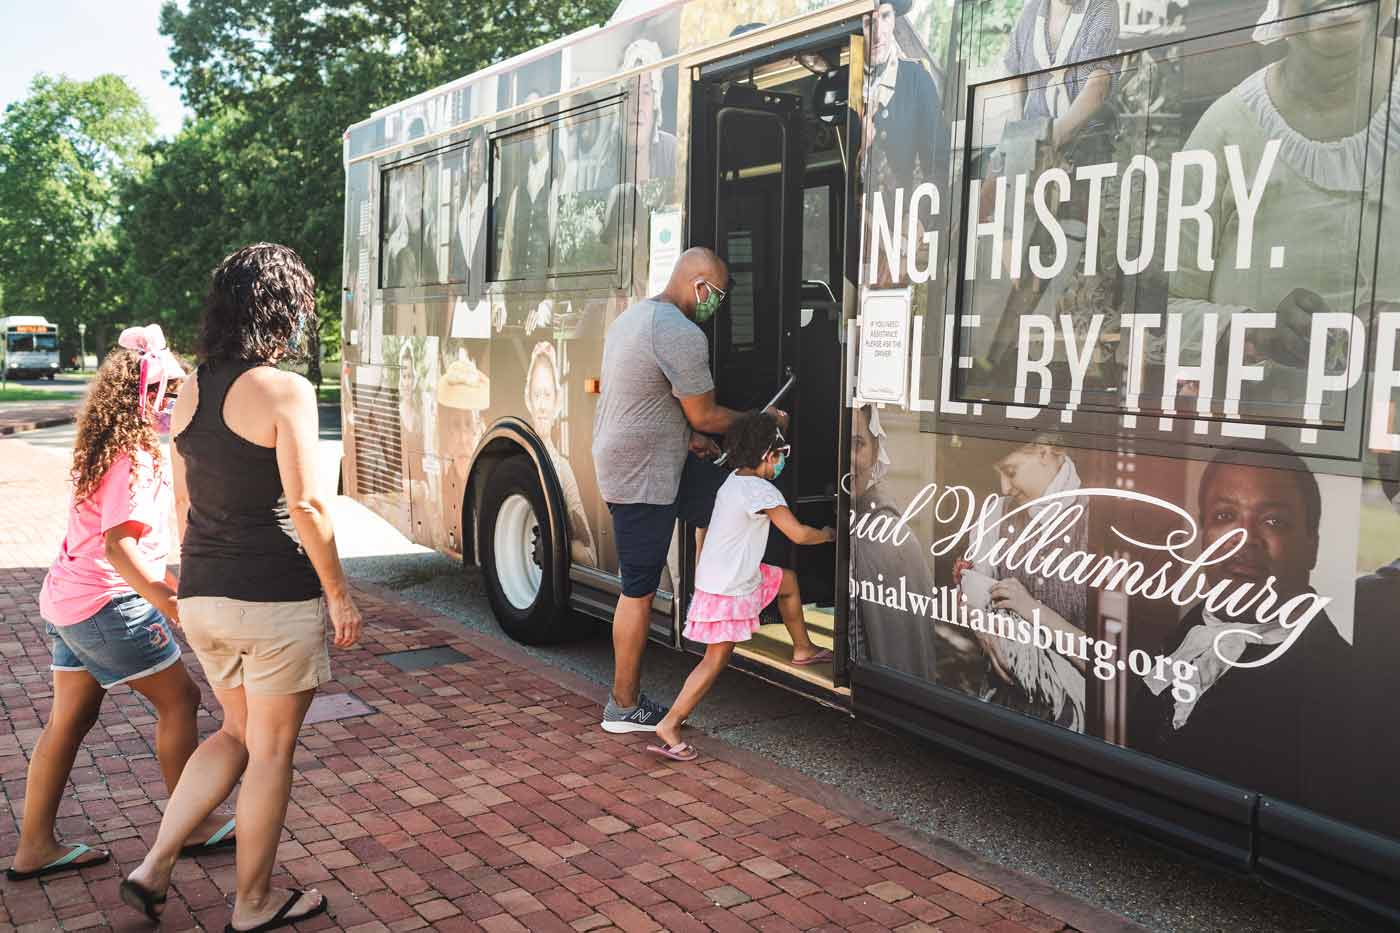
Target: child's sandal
(681, 751)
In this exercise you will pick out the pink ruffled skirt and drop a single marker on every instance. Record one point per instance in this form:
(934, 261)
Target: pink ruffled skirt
(716, 619)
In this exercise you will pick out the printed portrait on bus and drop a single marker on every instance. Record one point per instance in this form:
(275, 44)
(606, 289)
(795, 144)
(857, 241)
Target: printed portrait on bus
(463, 393)
(1318, 130)
(469, 213)
(906, 137)
(523, 200)
(544, 401)
(880, 633)
(1258, 668)
(402, 225)
(417, 359)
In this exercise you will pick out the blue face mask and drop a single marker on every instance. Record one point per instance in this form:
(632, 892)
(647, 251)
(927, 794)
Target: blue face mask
(778, 467)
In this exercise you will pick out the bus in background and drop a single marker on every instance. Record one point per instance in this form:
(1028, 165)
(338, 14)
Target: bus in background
(1094, 349)
(30, 348)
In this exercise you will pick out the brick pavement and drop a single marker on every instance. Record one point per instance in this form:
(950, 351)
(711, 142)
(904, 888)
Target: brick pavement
(17, 417)
(481, 795)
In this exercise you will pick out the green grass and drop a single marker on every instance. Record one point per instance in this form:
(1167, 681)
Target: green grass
(328, 393)
(21, 394)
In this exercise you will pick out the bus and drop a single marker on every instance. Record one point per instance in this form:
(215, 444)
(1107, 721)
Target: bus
(1094, 360)
(30, 350)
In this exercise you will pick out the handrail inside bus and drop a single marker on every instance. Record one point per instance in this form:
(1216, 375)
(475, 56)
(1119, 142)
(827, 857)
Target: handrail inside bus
(787, 387)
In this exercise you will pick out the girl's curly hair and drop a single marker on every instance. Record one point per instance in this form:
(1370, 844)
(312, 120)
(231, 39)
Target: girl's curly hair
(111, 422)
(262, 298)
(750, 438)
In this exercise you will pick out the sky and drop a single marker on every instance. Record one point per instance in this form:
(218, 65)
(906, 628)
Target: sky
(86, 38)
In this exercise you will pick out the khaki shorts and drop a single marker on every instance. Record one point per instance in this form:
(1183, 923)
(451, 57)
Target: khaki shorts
(268, 648)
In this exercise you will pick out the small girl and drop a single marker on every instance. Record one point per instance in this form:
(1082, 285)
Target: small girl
(109, 599)
(732, 584)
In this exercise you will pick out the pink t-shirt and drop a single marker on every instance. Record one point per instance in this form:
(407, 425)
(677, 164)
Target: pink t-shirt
(82, 580)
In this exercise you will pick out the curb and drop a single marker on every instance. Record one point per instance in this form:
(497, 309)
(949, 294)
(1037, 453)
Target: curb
(20, 427)
(1067, 908)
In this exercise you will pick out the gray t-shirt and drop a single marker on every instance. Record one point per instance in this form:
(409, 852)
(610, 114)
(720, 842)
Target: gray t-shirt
(653, 356)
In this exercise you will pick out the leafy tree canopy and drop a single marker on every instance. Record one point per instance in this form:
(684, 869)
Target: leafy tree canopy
(66, 151)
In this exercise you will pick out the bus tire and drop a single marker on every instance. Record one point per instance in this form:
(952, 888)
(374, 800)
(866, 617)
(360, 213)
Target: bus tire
(517, 557)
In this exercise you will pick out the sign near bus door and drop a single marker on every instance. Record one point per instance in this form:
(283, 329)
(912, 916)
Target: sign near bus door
(884, 347)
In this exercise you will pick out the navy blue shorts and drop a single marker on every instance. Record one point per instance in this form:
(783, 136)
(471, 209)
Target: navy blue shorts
(643, 531)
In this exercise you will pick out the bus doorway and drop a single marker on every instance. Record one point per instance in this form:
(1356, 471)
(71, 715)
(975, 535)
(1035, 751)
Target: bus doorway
(771, 149)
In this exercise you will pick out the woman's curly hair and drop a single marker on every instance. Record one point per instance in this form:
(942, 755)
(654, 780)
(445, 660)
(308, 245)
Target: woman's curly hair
(262, 298)
(749, 439)
(111, 422)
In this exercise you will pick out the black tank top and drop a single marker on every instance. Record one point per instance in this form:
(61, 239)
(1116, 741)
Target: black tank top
(239, 540)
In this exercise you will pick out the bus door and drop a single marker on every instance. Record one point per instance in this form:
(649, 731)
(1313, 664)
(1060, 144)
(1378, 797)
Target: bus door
(768, 194)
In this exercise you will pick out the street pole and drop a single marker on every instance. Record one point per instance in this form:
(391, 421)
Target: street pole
(82, 348)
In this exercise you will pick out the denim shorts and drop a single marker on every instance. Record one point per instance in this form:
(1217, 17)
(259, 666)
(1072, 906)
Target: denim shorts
(126, 640)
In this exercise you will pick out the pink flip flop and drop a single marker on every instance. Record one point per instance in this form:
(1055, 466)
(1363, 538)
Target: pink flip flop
(681, 751)
(821, 657)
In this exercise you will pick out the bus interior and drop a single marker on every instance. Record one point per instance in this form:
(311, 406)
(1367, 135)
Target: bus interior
(771, 153)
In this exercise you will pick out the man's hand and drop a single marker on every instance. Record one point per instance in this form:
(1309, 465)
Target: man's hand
(703, 446)
(830, 534)
(781, 415)
(1289, 342)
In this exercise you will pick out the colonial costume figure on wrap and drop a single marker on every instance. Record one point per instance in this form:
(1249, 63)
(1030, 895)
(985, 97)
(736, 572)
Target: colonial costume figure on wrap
(1332, 143)
(880, 634)
(1040, 682)
(544, 400)
(1278, 727)
(905, 132)
(528, 209)
(1060, 50)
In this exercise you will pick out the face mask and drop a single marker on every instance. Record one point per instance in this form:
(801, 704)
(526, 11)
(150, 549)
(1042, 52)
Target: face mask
(704, 310)
(778, 467)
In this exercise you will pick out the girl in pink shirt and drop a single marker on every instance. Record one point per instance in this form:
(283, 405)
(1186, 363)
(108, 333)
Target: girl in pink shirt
(109, 599)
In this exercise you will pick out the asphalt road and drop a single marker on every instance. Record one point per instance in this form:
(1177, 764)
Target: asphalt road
(1075, 851)
(64, 383)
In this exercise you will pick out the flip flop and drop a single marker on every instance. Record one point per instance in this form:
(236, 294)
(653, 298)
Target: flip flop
(68, 862)
(821, 657)
(280, 919)
(223, 839)
(137, 897)
(681, 751)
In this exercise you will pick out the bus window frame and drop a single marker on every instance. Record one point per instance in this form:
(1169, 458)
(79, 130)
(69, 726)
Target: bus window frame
(434, 148)
(1342, 446)
(622, 95)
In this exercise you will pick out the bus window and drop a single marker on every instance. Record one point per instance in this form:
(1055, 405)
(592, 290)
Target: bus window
(556, 193)
(468, 206)
(1184, 252)
(520, 182)
(401, 226)
(588, 166)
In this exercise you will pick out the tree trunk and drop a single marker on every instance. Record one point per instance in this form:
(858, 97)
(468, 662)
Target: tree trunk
(313, 363)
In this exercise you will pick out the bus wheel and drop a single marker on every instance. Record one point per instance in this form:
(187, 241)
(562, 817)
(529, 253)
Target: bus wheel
(517, 556)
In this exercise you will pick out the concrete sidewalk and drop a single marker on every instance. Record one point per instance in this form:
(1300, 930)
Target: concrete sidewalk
(478, 793)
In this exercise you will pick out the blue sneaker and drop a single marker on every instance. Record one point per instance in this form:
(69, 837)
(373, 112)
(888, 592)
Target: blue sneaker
(644, 717)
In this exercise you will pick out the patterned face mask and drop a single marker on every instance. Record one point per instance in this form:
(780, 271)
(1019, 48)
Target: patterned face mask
(705, 308)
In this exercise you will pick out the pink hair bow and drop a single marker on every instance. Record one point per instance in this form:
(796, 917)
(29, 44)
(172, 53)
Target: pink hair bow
(158, 364)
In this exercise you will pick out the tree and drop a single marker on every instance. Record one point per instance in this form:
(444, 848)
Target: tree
(284, 78)
(65, 152)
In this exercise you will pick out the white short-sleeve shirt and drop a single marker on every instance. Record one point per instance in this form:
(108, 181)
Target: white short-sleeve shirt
(737, 537)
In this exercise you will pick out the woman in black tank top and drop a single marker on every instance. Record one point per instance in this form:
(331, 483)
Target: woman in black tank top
(259, 573)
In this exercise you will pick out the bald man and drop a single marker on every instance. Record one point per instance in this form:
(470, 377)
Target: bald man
(656, 410)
